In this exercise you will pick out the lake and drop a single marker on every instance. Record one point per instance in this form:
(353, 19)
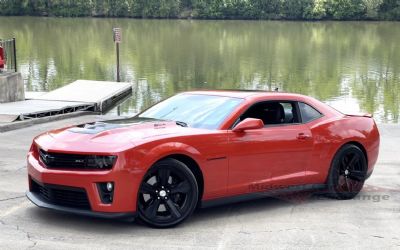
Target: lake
(353, 66)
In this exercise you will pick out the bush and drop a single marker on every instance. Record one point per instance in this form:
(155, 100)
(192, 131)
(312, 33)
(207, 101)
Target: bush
(315, 11)
(372, 8)
(237, 9)
(390, 10)
(296, 9)
(209, 8)
(346, 9)
(265, 9)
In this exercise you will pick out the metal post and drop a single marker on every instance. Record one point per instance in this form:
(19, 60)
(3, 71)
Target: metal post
(117, 48)
(15, 55)
(117, 40)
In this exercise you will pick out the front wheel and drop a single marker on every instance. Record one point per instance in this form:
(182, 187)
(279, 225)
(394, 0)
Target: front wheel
(168, 194)
(348, 172)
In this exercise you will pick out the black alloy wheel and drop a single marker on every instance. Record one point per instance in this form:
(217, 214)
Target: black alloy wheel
(168, 194)
(348, 172)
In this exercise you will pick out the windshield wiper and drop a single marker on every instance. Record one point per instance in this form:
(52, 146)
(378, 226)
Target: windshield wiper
(180, 123)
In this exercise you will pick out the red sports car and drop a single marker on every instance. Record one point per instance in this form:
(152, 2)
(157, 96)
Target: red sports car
(201, 148)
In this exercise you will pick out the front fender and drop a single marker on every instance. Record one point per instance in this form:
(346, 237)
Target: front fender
(146, 156)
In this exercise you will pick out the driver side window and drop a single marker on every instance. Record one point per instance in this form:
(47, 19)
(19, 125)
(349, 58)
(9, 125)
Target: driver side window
(273, 112)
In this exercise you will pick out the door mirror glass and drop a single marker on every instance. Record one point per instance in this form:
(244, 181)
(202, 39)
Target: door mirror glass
(248, 124)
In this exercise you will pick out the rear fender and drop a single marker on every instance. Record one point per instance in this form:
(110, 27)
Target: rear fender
(337, 133)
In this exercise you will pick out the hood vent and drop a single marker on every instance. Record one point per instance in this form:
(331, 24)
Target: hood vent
(94, 128)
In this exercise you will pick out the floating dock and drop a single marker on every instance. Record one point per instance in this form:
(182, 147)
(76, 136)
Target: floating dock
(81, 95)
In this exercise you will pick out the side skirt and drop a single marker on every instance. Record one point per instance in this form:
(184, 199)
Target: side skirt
(260, 195)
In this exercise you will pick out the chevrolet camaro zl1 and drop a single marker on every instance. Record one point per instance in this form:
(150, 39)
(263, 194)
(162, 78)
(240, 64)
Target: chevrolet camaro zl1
(198, 149)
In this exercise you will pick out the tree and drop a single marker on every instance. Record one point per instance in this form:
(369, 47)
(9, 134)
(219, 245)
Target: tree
(372, 8)
(295, 9)
(390, 10)
(315, 11)
(346, 9)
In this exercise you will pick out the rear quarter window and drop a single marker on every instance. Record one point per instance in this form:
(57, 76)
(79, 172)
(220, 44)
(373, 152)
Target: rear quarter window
(308, 113)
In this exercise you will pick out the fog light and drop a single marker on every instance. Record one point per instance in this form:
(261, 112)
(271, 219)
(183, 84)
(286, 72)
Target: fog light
(106, 192)
(109, 186)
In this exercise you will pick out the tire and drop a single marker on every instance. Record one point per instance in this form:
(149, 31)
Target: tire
(168, 194)
(348, 173)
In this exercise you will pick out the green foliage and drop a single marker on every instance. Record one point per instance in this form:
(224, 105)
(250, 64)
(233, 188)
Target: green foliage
(209, 9)
(100, 8)
(296, 9)
(372, 8)
(390, 10)
(12, 7)
(38, 7)
(117, 8)
(346, 9)
(236, 9)
(316, 10)
(265, 9)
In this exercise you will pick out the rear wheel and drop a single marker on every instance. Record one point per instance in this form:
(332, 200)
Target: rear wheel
(168, 194)
(348, 172)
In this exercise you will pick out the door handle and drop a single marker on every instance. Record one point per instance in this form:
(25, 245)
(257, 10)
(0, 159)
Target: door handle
(302, 136)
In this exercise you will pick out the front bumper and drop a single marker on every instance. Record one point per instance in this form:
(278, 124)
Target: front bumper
(38, 201)
(126, 185)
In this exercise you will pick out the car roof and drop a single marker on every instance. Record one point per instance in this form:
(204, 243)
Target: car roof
(253, 96)
(246, 94)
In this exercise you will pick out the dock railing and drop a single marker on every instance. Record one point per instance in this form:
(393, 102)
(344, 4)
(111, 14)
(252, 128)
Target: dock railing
(8, 55)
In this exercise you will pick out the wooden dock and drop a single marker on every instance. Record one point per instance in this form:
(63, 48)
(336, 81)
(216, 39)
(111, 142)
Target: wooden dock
(81, 95)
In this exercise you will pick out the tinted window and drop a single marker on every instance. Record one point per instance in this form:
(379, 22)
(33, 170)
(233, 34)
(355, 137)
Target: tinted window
(273, 112)
(308, 113)
(199, 111)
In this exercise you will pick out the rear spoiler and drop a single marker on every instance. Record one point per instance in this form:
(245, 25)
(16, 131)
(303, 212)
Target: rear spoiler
(360, 115)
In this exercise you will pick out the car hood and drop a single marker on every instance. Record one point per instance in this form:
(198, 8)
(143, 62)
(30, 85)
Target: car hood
(111, 136)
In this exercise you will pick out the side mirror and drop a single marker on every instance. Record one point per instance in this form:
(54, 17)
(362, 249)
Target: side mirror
(248, 124)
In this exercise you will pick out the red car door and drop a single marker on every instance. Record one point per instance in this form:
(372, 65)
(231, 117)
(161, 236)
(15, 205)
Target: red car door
(271, 157)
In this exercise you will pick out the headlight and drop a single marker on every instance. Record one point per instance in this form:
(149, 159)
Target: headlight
(100, 162)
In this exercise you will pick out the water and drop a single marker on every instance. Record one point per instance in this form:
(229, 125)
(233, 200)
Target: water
(354, 66)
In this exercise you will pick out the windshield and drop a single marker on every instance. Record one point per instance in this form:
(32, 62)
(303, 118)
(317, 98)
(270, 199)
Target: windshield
(194, 110)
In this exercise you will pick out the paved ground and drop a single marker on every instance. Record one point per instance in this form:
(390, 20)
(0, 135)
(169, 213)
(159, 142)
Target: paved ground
(372, 220)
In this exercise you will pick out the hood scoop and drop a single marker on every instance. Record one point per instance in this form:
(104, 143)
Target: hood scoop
(94, 128)
(141, 123)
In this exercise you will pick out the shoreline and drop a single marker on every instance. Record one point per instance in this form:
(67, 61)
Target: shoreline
(208, 19)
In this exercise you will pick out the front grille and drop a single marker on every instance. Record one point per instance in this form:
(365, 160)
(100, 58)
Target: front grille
(76, 161)
(61, 195)
(55, 160)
